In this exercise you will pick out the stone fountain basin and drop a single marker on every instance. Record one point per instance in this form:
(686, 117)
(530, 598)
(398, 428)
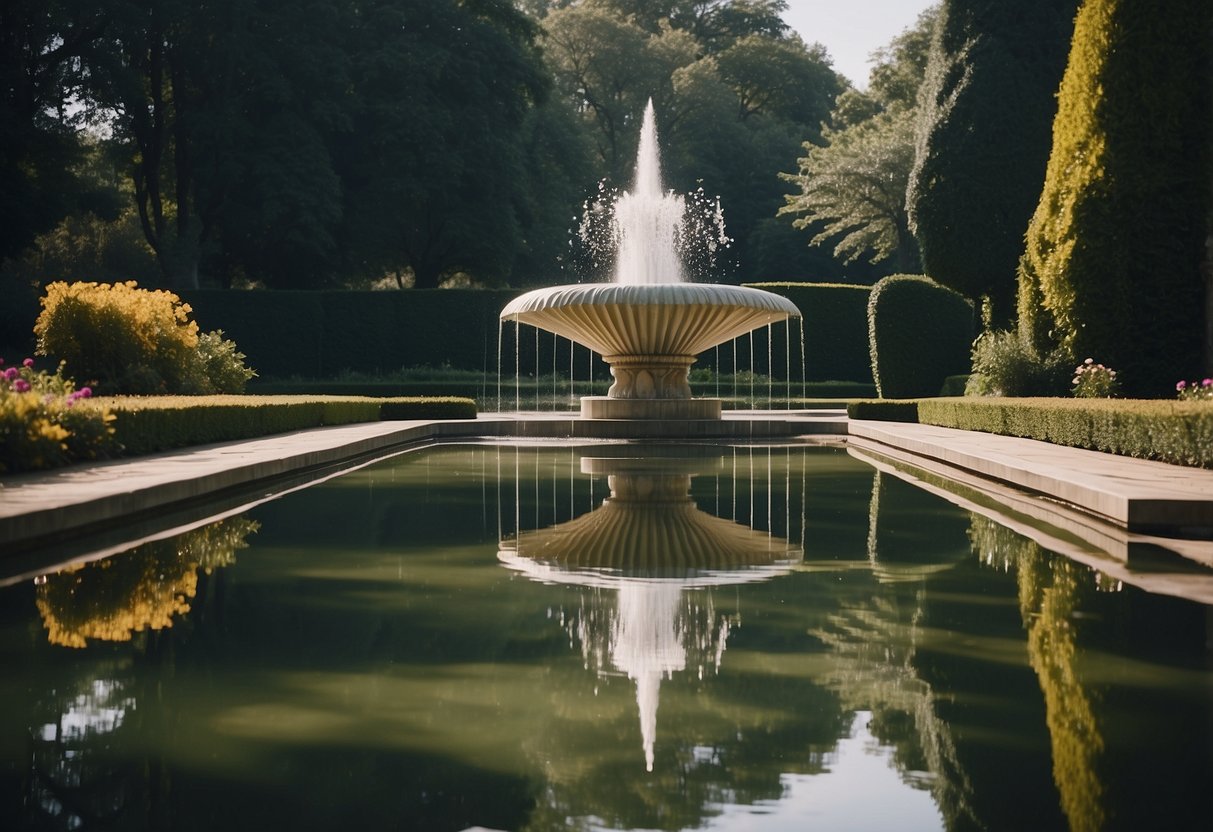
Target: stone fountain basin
(661, 319)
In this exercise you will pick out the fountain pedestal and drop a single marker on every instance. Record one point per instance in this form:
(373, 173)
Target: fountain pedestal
(649, 387)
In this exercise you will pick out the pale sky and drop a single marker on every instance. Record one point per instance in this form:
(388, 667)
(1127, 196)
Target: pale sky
(851, 30)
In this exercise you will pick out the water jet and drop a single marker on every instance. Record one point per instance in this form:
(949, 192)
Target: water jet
(649, 324)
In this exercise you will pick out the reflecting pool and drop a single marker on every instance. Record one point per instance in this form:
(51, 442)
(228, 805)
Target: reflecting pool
(603, 636)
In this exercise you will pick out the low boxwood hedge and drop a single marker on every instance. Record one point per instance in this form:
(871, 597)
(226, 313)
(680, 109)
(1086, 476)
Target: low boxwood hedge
(155, 423)
(884, 410)
(1179, 432)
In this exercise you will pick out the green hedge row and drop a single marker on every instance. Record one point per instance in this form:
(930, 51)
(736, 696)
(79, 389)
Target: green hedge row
(835, 319)
(884, 410)
(1178, 432)
(157, 423)
(322, 333)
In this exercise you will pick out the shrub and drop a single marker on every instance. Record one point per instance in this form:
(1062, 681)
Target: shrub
(1003, 365)
(222, 365)
(124, 338)
(1193, 391)
(131, 340)
(1094, 381)
(919, 333)
(40, 424)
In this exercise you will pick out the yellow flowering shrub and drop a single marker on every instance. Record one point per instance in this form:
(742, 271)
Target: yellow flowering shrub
(131, 340)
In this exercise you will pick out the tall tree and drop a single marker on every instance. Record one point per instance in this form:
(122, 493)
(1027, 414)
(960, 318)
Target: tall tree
(852, 181)
(1112, 269)
(853, 191)
(985, 121)
(433, 165)
(42, 43)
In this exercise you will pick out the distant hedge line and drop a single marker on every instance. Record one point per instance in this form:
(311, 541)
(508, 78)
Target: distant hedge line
(1178, 432)
(156, 423)
(319, 334)
(835, 317)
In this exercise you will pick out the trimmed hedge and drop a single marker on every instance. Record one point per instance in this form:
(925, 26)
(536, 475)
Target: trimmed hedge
(1178, 432)
(919, 334)
(835, 319)
(884, 410)
(319, 334)
(316, 334)
(157, 423)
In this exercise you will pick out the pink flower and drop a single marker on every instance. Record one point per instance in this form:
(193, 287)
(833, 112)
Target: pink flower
(11, 373)
(1207, 383)
(84, 392)
(1181, 385)
(29, 362)
(21, 385)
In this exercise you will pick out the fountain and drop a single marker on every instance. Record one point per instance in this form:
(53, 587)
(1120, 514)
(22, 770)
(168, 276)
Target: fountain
(649, 324)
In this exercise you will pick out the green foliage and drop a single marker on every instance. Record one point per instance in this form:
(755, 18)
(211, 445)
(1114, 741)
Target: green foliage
(131, 340)
(983, 140)
(155, 423)
(852, 190)
(1171, 431)
(320, 334)
(119, 337)
(222, 365)
(884, 411)
(919, 334)
(43, 423)
(1095, 381)
(835, 321)
(1003, 365)
(1195, 391)
(1114, 250)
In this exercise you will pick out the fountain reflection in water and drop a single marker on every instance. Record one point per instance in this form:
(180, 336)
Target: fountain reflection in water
(649, 325)
(663, 556)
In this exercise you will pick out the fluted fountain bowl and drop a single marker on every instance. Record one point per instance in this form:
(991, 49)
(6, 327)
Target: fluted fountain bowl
(649, 334)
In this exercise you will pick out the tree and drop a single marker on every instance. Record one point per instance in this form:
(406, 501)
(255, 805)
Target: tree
(41, 44)
(432, 167)
(1114, 251)
(855, 186)
(853, 180)
(983, 141)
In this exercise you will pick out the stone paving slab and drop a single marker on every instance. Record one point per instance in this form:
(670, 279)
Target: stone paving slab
(1139, 495)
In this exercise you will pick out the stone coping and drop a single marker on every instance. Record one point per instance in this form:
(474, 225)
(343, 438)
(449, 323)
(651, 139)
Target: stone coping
(1134, 494)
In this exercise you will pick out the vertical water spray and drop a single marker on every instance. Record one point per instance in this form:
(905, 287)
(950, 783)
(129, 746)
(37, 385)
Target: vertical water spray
(647, 220)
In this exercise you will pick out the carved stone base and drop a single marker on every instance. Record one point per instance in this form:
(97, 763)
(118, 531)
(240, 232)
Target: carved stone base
(605, 407)
(650, 376)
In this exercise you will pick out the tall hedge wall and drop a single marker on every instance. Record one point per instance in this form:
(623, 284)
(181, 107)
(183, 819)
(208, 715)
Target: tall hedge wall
(320, 334)
(1112, 269)
(920, 333)
(835, 317)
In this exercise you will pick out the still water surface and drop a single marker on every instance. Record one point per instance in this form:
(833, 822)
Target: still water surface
(560, 636)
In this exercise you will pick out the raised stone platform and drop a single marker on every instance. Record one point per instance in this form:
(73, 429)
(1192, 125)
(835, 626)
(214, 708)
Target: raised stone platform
(603, 407)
